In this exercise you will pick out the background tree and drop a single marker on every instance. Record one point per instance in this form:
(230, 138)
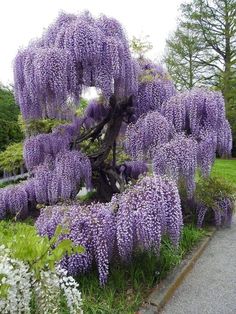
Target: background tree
(215, 21)
(10, 131)
(140, 46)
(183, 50)
(213, 30)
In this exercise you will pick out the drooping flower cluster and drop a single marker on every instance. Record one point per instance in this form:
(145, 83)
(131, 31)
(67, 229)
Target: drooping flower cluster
(147, 134)
(147, 211)
(223, 212)
(60, 179)
(207, 146)
(135, 219)
(38, 148)
(93, 227)
(75, 51)
(53, 181)
(15, 200)
(132, 169)
(200, 111)
(19, 286)
(178, 158)
(95, 112)
(155, 87)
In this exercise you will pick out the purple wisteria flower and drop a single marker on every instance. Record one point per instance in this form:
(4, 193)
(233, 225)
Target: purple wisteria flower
(75, 51)
(136, 219)
(155, 87)
(147, 134)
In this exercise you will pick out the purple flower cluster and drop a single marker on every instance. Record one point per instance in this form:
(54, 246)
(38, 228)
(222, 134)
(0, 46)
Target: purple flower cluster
(75, 51)
(53, 181)
(133, 169)
(38, 148)
(135, 219)
(223, 212)
(155, 87)
(200, 111)
(147, 134)
(17, 200)
(60, 179)
(95, 112)
(178, 159)
(207, 146)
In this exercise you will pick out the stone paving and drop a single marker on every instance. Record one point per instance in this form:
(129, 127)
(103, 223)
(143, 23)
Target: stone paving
(210, 288)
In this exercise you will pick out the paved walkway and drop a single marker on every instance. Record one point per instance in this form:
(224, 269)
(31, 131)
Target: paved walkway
(211, 286)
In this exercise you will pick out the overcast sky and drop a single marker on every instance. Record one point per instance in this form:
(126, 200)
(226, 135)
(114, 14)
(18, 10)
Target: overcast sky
(22, 20)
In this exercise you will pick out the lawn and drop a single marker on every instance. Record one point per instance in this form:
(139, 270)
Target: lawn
(225, 168)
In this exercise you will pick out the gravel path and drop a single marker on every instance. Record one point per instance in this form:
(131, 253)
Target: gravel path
(211, 286)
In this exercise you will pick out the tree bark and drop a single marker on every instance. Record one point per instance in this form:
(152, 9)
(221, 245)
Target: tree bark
(105, 178)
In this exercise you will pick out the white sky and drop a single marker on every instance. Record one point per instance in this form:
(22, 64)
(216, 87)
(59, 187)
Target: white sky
(22, 20)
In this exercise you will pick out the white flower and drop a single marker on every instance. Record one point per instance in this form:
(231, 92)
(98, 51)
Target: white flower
(17, 283)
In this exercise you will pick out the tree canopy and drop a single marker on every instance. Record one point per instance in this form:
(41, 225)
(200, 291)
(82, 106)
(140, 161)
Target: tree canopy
(140, 110)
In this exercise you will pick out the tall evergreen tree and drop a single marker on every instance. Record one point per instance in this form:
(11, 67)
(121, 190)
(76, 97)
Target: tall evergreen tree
(182, 57)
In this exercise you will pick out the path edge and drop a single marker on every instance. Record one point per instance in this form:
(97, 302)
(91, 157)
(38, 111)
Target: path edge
(162, 293)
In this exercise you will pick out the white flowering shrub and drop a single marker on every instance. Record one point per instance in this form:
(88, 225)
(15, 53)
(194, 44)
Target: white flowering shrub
(19, 286)
(30, 276)
(15, 284)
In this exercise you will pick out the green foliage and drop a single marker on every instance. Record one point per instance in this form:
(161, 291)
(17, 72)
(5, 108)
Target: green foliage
(88, 147)
(34, 127)
(140, 46)
(10, 131)
(88, 197)
(12, 158)
(82, 106)
(38, 252)
(9, 110)
(212, 189)
(182, 57)
(231, 115)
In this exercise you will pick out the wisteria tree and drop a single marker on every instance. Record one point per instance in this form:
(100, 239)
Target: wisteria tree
(138, 110)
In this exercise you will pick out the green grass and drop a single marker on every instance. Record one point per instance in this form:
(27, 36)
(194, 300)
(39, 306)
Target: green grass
(225, 168)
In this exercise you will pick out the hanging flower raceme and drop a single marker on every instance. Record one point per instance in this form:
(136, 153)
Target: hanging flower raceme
(38, 148)
(223, 212)
(155, 87)
(132, 169)
(53, 181)
(14, 201)
(198, 111)
(75, 51)
(95, 112)
(224, 139)
(60, 179)
(93, 227)
(149, 132)
(207, 146)
(135, 219)
(178, 159)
